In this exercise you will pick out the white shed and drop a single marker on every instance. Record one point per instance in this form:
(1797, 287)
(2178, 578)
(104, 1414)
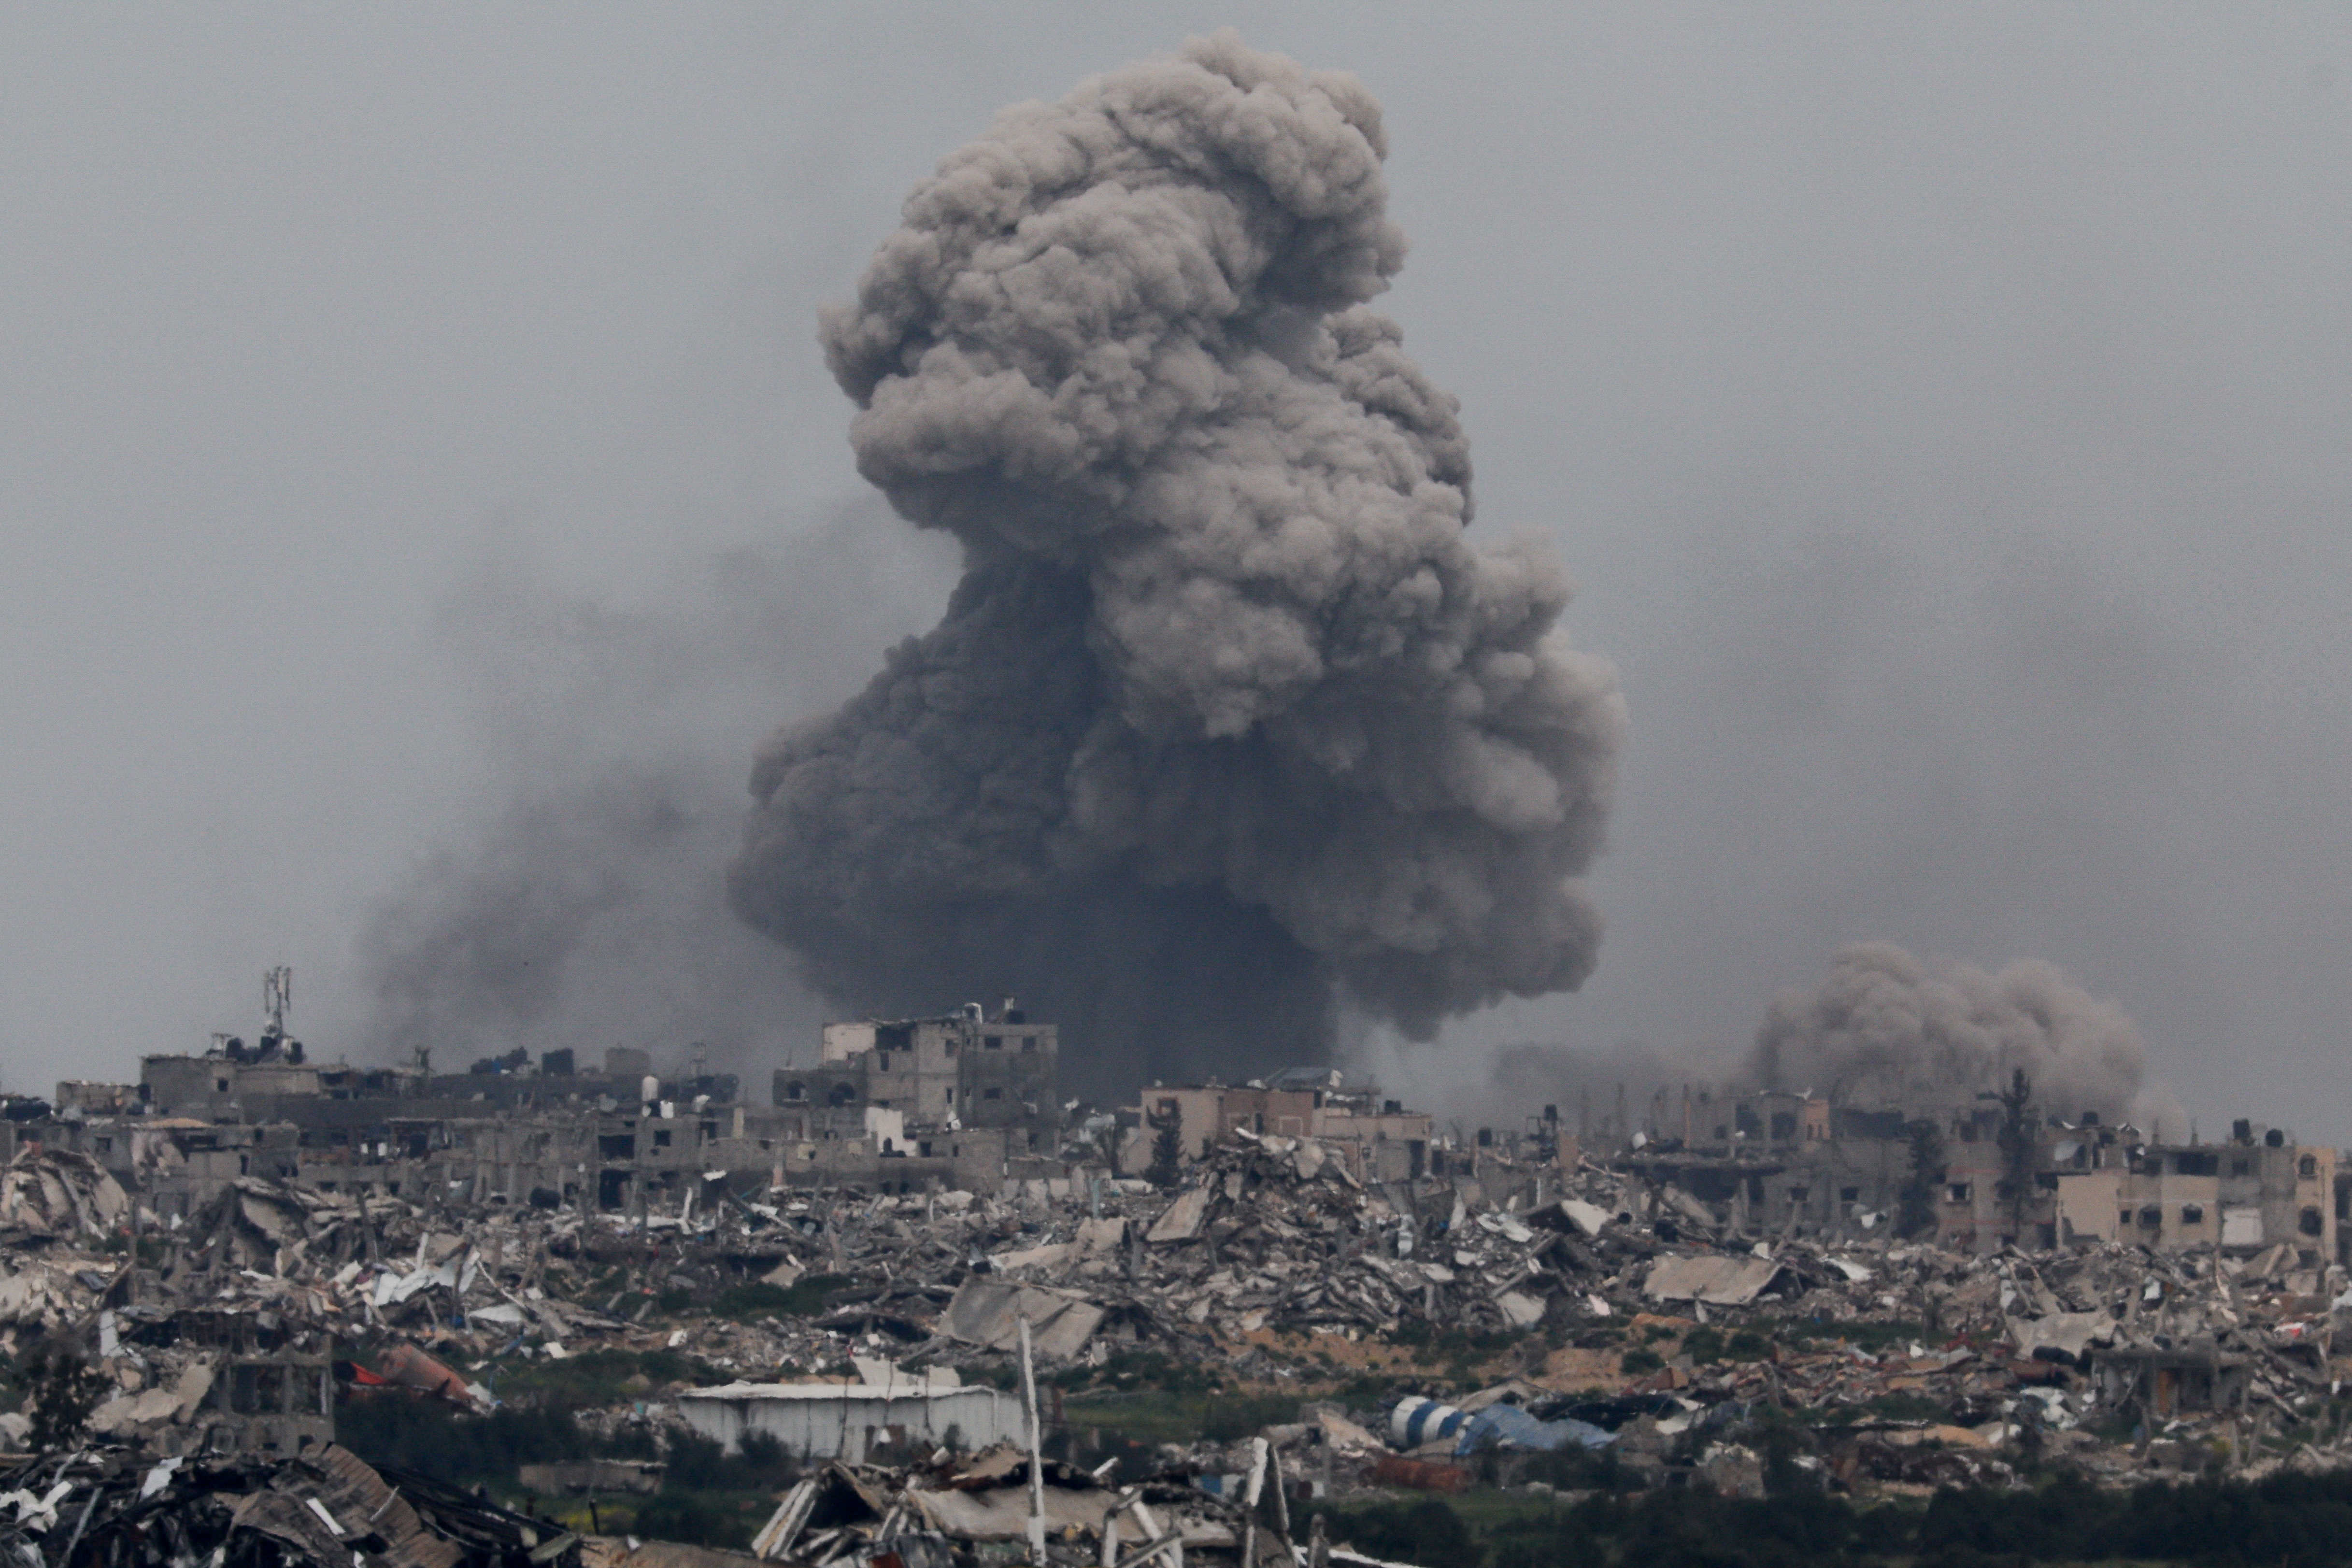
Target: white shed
(843, 1420)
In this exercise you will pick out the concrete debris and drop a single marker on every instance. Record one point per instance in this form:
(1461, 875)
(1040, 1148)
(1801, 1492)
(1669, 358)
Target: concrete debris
(55, 1194)
(1634, 1310)
(946, 1512)
(1264, 1239)
(1717, 1281)
(324, 1510)
(989, 1312)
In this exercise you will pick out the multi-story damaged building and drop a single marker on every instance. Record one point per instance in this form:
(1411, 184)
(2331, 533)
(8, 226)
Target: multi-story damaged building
(962, 1101)
(968, 1100)
(2260, 1188)
(1977, 1175)
(963, 1070)
(1381, 1139)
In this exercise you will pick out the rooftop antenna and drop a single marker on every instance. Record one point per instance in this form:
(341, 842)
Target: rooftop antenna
(276, 996)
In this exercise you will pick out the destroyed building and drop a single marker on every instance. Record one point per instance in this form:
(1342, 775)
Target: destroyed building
(1380, 1137)
(1799, 1165)
(962, 1071)
(964, 1101)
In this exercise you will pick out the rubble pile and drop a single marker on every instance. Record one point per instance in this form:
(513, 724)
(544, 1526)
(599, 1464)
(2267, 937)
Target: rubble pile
(1634, 1329)
(1272, 1231)
(2018, 1344)
(324, 1510)
(57, 1195)
(950, 1510)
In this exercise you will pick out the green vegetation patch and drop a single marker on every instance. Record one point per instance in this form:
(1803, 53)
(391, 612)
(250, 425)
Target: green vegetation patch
(2299, 1522)
(803, 1298)
(593, 1379)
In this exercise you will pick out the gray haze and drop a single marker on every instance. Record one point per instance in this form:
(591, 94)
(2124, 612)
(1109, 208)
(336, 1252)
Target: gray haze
(589, 913)
(1226, 719)
(1882, 1029)
(1944, 410)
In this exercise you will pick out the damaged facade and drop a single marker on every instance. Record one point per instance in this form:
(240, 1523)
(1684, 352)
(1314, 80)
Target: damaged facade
(1381, 1139)
(964, 1101)
(1777, 1164)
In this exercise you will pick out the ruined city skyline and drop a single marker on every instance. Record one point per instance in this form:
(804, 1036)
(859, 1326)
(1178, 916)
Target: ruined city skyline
(428, 486)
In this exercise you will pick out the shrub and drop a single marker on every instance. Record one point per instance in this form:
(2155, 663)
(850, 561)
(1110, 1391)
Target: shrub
(804, 1298)
(1423, 1531)
(683, 1517)
(392, 1427)
(64, 1391)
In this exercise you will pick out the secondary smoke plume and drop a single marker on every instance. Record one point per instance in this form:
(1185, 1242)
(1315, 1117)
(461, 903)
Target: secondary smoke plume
(1884, 1029)
(1227, 720)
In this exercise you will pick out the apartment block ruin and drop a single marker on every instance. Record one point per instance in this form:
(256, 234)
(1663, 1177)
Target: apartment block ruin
(1975, 1173)
(967, 1101)
(964, 1101)
(1379, 1139)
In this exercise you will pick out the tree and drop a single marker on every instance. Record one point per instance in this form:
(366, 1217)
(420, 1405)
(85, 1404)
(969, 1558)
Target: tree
(64, 1391)
(1166, 1166)
(2016, 1150)
(1917, 1214)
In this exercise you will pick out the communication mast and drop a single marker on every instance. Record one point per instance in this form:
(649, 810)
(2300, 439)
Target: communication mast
(276, 996)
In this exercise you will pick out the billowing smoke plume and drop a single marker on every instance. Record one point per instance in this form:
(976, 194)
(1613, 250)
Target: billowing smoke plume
(1885, 1029)
(1227, 720)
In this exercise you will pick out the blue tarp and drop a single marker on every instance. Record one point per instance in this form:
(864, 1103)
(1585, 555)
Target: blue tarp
(1508, 1426)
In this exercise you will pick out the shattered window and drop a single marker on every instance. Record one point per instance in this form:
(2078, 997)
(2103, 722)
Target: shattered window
(2192, 1214)
(1960, 1192)
(2308, 1166)
(992, 1042)
(2308, 1222)
(993, 1094)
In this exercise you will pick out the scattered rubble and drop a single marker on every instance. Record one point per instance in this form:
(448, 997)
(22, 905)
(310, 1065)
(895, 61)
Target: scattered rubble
(324, 1510)
(1630, 1323)
(934, 1513)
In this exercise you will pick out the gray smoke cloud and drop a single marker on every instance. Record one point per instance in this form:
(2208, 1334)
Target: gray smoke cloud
(1228, 722)
(1884, 1029)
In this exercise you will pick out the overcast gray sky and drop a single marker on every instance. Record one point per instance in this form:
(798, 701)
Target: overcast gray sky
(1945, 410)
